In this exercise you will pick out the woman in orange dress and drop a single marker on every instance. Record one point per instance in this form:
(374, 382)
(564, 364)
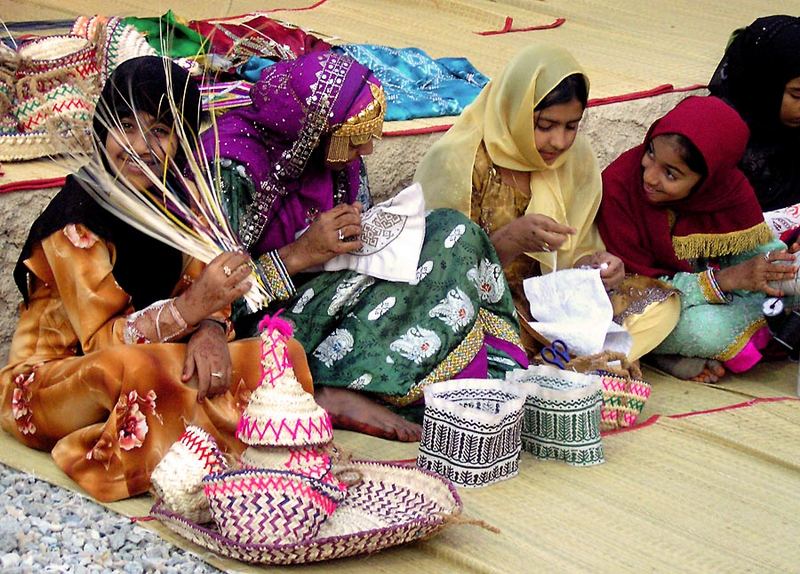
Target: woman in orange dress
(122, 341)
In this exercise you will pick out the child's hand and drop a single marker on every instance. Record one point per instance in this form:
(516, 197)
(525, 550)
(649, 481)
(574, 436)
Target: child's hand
(756, 274)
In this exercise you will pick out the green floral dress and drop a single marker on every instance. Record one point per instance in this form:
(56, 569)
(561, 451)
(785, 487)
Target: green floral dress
(392, 339)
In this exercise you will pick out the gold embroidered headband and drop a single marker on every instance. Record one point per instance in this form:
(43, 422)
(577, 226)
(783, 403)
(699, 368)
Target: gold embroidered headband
(360, 128)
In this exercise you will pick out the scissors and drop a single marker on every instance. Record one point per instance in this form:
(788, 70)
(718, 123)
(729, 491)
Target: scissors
(557, 354)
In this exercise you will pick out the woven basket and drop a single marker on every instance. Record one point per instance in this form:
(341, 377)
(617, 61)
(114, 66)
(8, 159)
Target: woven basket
(66, 52)
(471, 431)
(9, 61)
(57, 76)
(623, 400)
(260, 506)
(562, 415)
(116, 41)
(178, 478)
(54, 92)
(310, 461)
(391, 505)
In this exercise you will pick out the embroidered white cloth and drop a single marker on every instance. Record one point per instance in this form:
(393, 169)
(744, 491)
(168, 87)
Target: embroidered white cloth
(572, 305)
(392, 233)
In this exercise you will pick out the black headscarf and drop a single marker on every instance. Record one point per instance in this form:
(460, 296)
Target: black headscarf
(145, 268)
(752, 75)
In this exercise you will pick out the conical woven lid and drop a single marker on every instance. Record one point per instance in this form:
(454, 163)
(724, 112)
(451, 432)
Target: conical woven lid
(280, 412)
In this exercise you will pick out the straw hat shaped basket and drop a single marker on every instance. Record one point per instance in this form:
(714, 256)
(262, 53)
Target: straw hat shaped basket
(390, 504)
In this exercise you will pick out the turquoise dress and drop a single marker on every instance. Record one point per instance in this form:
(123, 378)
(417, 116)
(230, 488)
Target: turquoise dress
(711, 327)
(391, 339)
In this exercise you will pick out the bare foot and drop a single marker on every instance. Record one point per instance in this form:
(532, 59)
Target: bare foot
(711, 373)
(351, 410)
(689, 368)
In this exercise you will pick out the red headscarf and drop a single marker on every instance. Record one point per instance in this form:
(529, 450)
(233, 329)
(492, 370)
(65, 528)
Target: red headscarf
(720, 217)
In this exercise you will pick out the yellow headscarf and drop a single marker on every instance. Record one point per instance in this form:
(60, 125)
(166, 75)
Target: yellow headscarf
(568, 190)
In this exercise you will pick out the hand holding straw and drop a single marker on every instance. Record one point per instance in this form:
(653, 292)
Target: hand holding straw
(181, 209)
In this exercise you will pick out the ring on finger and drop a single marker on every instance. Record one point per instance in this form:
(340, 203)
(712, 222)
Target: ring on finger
(217, 375)
(546, 246)
(340, 234)
(226, 270)
(766, 256)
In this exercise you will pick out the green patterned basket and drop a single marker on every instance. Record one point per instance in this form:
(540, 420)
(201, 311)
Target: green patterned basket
(562, 415)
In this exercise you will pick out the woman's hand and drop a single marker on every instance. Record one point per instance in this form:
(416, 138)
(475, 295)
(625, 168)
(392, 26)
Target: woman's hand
(756, 273)
(223, 281)
(334, 232)
(529, 233)
(612, 269)
(208, 360)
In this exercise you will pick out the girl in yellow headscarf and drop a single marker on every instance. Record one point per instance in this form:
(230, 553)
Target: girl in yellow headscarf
(516, 164)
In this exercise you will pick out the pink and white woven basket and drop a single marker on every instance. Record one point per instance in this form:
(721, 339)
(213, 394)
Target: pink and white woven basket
(259, 506)
(391, 505)
(623, 400)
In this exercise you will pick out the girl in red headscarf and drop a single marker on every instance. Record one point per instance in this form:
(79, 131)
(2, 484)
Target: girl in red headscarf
(678, 208)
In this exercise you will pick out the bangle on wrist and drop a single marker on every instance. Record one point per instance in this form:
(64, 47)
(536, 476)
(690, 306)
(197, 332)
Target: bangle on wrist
(712, 280)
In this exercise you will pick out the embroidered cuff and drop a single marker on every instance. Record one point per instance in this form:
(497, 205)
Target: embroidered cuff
(710, 288)
(276, 279)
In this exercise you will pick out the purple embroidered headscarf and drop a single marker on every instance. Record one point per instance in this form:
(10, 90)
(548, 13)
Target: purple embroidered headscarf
(296, 105)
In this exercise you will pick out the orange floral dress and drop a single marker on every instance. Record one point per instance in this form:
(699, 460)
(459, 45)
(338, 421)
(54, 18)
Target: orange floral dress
(82, 382)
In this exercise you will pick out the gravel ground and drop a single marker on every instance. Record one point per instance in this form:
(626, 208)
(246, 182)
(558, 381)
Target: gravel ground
(46, 528)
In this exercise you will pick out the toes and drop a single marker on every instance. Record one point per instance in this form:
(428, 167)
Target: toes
(716, 368)
(408, 434)
(704, 376)
(408, 431)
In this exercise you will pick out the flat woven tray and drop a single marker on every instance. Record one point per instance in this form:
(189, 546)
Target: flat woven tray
(392, 504)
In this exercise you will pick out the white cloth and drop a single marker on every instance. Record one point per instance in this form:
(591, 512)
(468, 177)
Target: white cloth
(392, 233)
(572, 305)
(782, 220)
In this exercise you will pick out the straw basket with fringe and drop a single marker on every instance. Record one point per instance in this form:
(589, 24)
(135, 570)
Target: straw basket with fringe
(178, 479)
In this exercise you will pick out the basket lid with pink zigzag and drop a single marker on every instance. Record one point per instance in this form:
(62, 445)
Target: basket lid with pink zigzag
(280, 412)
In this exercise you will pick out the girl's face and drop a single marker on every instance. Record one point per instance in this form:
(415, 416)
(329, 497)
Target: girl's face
(555, 128)
(790, 105)
(665, 175)
(151, 140)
